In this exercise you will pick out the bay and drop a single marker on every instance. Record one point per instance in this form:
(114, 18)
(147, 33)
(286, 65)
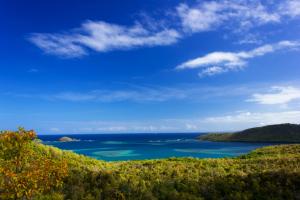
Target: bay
(121, 147)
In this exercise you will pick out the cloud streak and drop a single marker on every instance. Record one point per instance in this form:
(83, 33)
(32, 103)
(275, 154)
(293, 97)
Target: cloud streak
(231, 122)
(220, 62)
(101, 37)
(249, 119)
(141, 94)
(209, 15)
(144, 94)
(242, 15)
(290, 8)
(277, 95)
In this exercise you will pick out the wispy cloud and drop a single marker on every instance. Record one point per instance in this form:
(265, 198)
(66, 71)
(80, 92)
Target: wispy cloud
(250, 38)
(242, 15)
(58, 44)
(132, 94)
(102, 37)
(116, 126)
(144, 94)
(209, 15)
(203, 17)
(210, 71)
(249, 119)
(140, 94)
(290, 8)
(230, 122)
(277, 95)
(262, 93)
(219, 62)
(33, 70)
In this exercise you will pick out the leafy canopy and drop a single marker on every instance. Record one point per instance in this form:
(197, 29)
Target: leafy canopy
(24, 172)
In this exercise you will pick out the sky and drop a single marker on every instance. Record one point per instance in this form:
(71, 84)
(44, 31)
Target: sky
(113, 66)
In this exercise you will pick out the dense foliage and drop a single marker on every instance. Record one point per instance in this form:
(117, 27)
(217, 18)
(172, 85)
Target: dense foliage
(25, 172)
(272, 133)
(268, 173)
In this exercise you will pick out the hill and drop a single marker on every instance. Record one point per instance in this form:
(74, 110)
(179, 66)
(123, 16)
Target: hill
(271, 172)
(289, 133)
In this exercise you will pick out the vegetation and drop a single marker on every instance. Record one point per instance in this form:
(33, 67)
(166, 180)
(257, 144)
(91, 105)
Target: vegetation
(24, 171)
(267, 173)
(289, 133)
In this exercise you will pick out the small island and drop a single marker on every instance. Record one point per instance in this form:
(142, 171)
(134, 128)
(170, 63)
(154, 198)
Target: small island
(286, 133)
(67, 139)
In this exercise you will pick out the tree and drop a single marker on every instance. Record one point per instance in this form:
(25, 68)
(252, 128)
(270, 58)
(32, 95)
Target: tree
(24, 171)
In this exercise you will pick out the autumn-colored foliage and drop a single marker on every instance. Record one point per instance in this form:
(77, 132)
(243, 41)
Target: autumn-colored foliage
(24, 172)
(31, 170)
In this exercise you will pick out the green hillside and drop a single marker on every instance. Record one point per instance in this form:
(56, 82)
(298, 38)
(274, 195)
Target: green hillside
(289, 133)
(267, 173)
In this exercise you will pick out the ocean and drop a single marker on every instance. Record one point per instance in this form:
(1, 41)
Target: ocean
(120, 147)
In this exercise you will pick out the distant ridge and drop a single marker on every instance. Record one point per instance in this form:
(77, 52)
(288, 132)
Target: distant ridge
(272, 133)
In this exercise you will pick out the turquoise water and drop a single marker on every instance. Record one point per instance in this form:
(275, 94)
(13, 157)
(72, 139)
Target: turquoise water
(116, 147)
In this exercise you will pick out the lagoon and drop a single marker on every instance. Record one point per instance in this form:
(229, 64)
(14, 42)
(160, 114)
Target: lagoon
(120, 147)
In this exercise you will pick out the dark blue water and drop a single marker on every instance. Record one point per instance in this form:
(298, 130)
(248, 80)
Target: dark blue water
(113, 147)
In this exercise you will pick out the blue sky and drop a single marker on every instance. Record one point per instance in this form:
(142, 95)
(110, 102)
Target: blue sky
(148, 66)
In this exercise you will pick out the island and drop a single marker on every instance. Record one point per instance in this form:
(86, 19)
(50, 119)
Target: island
(284, 133)
(67, 139)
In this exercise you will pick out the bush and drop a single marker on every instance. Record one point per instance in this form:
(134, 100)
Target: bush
(24, 173)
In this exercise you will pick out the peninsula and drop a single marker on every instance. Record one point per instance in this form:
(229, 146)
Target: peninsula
(285, 133)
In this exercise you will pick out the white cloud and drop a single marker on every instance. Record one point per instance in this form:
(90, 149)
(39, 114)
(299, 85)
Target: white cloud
(250, 119)
(231, 122)
(212, 71)
(73, 96)
(235, 16)
(58, 44)
(139, 94)
(219, 62)
(202, 18)
(290, 8)
(250, 38)
(277, 95)
(102, 37)
(208, 15)
(194, 93)
(115, 126)
(224, 58)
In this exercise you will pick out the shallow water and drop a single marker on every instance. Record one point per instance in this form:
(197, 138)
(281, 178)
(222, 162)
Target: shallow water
(114, 147)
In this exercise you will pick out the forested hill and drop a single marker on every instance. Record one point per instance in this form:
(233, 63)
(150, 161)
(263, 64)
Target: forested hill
(30, 170)
(272, 133)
